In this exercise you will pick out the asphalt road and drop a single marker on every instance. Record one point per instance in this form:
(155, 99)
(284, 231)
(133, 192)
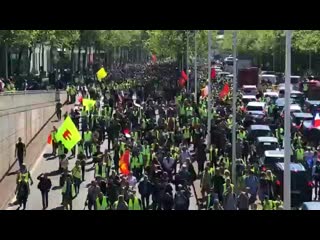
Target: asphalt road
(50, 166)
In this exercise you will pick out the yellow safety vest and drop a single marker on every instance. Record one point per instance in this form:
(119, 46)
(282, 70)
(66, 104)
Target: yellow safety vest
(136, 162)
(103, 205)
(76, 172)
(26, 175)
(268, 205)
(134, 204)
(225, 188)
(300, 154)
(88, 136)
(186, 133)
(60, 150)
(73, 191)
(103, 171)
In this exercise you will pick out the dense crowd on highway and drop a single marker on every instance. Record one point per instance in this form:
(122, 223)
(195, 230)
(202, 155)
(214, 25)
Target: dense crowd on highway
(157, 146)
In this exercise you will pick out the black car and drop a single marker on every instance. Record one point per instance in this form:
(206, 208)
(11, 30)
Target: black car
(301, 184)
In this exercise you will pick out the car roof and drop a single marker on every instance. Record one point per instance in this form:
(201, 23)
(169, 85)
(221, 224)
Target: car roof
(267, 139)
(295, 76)
(302, 115)
(249, 86)
(259, 127)
(274, 153)
(271, 93)
(312, 205)
(268, 75)
(295, 107)
(313, 102)
(257, 104)
(281, 101)
(249, 96)
(294, 167)
(295, 92)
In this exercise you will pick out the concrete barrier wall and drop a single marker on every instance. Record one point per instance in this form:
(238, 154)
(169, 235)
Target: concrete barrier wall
(23, 115)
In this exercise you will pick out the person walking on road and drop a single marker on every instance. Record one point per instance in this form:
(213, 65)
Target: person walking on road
(54, 141)
(102, 202)
(76, 174)
(145, 190)
(22, 192)
(44, 186)
(24, 173)
(92, 195)
(20, 151)
(120, 204)
(58, 110)
(68, 193)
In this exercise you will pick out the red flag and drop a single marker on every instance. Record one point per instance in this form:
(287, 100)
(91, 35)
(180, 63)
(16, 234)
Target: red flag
(184, 75)
(224, 92)
(182, 82)
(153, 58)
(213, 73)
(80, 99)
(124, 163)
(49, 140)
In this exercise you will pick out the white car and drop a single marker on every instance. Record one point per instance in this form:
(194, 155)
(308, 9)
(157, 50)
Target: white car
(256, 107)
(294, 108)
(249, 98)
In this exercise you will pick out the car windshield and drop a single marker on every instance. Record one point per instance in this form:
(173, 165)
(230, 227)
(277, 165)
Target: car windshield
(254, 108)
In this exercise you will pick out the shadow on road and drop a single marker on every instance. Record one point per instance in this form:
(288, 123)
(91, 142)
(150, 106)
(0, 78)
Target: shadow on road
(89, 169)
(54, 173)
(57, 208)
(13, 173)
(54, 121)
(51, 158)
(46, 155)
(56, 188)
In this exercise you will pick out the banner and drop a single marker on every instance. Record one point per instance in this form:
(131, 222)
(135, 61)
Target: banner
(101, 74)
(68, 134)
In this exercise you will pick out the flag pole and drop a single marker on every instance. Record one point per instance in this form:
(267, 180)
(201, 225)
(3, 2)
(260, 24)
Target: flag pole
(287, 130)
(234, 110)
(209, 89)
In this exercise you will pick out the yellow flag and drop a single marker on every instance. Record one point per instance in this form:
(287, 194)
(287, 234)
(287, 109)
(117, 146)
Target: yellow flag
(88, 103)
(101, 74)
(68, 134)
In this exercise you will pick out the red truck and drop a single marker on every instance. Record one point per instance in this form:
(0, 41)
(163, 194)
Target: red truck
(248, 76)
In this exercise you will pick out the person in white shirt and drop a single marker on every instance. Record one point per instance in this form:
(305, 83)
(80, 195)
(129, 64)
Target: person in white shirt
(132, 180)
(168, 163)
(184, 155)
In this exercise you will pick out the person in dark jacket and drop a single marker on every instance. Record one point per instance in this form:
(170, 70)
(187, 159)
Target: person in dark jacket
(145, 190)
(44, 186)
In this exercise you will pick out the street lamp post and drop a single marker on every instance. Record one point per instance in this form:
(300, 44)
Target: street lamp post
(209, 89)
(234, 107)
(195, 68)
(287, 134)
(187, 62)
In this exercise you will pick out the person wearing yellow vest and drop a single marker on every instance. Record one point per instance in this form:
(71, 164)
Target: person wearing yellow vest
(108, 161)
(278, 203)
(186, 134)
(22, 192)
(146, 153)
(102, 202)
(279, 134)
(100, 170)
(54, 140)
(267, 204)
(136, 165)
(24, 174)
(87, 142)
(134, 202)
(228, 185)
(68, 193)
(76, 174)
(300, 155)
